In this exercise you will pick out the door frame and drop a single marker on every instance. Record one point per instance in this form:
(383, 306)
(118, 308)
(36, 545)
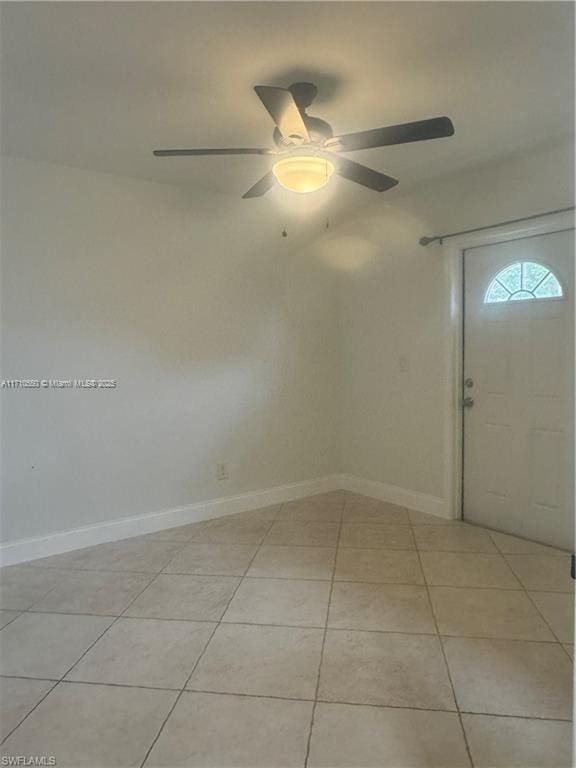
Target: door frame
(452, 252)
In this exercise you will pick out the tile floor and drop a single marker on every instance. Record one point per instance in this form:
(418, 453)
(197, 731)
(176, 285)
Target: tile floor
(336, 632)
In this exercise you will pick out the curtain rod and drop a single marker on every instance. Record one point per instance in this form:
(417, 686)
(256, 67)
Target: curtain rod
(440, 238)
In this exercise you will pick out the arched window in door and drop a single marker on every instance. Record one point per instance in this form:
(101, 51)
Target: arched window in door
(522, 281)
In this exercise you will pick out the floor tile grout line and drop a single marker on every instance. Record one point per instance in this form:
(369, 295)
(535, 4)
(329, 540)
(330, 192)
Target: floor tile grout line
(68, 569)
(449, 674)
(121, 685)
(117, 616)
(162, 573)
(28, 677)
(18, 612)
(29, 563)
(503, 555)
(508, 555)
(44, 596)
(554, 634)
(426, 549)
(153, 576)
(69, 669)
(201, 655)
(492, 532)
(231, 541)
(337, 702)
(316, 627)
(116, 619)
(34, 609)
(179, 693)
(538, 611)
(321, 660)
(48, 692)
(517, 717)
(79, 659)
(134, 539)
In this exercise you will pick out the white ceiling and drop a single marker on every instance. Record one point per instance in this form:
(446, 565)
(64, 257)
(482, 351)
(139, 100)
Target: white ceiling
(99, 85)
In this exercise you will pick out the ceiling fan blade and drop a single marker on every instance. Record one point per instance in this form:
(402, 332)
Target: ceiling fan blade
(184, 152)
(367, 177)
(422, 130)
(284, 111)
(261, 187)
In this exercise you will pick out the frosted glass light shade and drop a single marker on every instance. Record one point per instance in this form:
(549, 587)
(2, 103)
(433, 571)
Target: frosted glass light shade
(303, 173)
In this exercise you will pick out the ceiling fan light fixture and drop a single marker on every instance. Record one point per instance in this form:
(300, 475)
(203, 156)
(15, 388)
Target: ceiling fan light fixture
(308, 145)
(303, 173)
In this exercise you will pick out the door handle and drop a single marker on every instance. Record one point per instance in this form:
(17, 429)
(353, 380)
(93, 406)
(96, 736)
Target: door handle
(467, 402)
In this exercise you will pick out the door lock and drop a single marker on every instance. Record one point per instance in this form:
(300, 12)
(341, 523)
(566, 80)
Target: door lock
(467, 402)
(468, 383)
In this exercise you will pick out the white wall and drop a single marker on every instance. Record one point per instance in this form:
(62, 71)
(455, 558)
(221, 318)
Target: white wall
(394, 295)
(222, 337)
(291, 359)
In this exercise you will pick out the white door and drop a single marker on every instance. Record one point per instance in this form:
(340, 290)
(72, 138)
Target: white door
(519, 378)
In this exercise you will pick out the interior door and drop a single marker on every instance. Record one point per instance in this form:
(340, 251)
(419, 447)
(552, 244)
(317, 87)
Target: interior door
(518, 388)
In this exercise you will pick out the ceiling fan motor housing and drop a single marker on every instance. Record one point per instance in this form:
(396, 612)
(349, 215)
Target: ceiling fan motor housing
(320, 132)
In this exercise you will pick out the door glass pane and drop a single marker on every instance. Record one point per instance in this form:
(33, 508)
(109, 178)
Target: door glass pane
(549, 288)
(521, 281)
(533, 274)
(496, 293)
(511, 277)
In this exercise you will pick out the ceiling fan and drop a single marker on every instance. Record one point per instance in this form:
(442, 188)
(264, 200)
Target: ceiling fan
(307, 149)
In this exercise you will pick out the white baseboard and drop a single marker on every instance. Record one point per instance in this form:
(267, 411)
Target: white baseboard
(24, 550)
(421, 502)
(56, 543)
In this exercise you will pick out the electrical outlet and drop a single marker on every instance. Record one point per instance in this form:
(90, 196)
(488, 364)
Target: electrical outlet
(222, 471)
